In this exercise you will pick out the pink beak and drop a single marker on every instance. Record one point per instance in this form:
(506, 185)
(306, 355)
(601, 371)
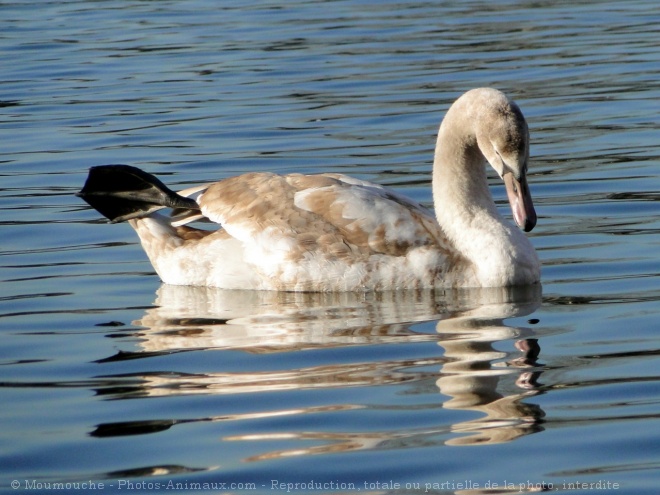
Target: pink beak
(520, 200)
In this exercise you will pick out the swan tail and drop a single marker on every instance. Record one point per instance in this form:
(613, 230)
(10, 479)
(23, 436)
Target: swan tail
(122, 192)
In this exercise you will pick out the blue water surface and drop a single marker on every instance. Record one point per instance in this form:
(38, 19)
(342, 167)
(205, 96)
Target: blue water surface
(109, 378)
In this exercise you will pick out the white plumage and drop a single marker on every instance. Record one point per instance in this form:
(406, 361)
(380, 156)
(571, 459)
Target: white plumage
(330, 232)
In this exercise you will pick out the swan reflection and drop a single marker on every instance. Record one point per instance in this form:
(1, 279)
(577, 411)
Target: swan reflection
(471, 377)
(468, 370)
(268, 321)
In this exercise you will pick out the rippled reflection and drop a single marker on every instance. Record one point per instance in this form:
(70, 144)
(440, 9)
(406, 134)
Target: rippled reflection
(472, 375)
(467, 368)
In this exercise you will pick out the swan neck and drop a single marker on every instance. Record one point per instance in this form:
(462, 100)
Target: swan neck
(498, 252)
(460, 186)
(465, 208)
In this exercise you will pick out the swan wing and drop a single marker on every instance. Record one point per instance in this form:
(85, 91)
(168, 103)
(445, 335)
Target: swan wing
(331, 215)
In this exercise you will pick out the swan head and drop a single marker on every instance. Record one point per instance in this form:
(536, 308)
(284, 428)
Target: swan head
(503, 138)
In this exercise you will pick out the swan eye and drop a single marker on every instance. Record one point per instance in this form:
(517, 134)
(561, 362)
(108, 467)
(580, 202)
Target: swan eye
(502, 162)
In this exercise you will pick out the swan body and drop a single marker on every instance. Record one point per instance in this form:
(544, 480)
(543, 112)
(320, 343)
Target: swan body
(331, 232)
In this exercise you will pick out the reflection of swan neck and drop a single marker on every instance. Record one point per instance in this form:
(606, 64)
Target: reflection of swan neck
(470, 377)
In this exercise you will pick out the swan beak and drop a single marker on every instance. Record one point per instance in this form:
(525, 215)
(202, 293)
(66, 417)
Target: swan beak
(520, 200)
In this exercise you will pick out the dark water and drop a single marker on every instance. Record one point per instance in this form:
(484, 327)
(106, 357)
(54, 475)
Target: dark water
(107, 376)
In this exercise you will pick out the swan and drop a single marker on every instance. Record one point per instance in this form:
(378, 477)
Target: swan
(331, 232)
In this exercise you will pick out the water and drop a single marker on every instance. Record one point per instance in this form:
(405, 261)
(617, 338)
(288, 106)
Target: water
(109, 377)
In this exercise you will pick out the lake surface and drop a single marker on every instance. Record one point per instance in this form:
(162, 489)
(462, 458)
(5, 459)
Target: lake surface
(110, 378)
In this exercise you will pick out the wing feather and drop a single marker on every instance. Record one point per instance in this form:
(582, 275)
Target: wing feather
(328, 214)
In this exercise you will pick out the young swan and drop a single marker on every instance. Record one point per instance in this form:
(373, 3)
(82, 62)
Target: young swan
(331, 232)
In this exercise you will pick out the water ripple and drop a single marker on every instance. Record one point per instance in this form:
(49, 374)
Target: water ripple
(553, 388)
